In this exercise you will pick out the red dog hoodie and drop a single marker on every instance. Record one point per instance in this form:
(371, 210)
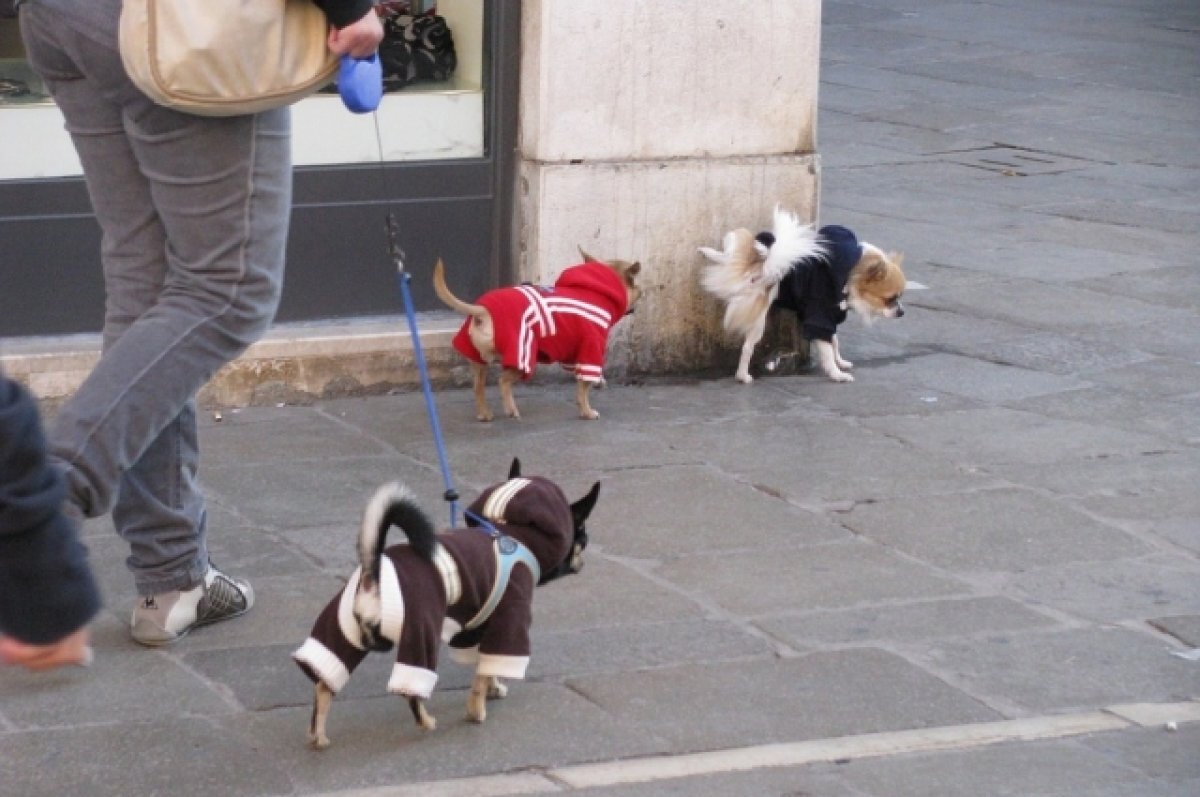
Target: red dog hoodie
(566, 324)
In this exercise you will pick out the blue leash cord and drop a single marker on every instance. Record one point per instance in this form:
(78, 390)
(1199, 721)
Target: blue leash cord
(451, 495)
(510, 551)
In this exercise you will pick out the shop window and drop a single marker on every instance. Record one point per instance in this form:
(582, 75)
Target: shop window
(431, 118)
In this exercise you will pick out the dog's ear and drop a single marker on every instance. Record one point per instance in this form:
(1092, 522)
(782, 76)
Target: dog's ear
(635, 269)
(586, 257)
(897, 258)
(584, 506)
(514, 470)
(877, 271)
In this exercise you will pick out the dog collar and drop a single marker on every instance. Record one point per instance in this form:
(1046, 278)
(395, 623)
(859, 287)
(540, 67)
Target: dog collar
(509, 553)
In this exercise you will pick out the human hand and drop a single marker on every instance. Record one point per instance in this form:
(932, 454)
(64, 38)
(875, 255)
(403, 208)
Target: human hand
(73, 649)
(358, 39)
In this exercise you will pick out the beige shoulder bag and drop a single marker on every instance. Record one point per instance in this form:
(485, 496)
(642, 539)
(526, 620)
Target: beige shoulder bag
(225, 57)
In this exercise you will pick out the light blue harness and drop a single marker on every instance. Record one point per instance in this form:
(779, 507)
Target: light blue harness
(509, 553)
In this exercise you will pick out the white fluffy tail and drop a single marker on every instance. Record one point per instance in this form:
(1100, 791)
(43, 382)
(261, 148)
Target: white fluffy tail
(793, 241)
(391, 505)
(746, 273)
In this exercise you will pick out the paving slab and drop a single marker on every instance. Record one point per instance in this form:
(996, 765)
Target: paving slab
(1045, 769)
(1125, 589)
(1093, 666)
(1161, 377)
(1175, 421)
(1183, 531)
(630, 647)
(332, 548)
(176, 755)
(978, 379)
(317, 491)
(256, 435)
(139, 686)
(979, 438)
(570, 447)
(764, 582)
(1167, 757)
(873, 399)
(1040, 306)
(905, 622)
(734, 516)
(1175, 339)
(905, 140)
(813, 696)
(1111, 211)
(1156, 486)
(995, 530)
(1065, 355)
(610, 591)
(851, 462)
(1185, 628)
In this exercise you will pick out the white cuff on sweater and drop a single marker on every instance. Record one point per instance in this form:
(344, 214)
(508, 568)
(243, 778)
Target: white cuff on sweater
(502, 666)
(321, 660)
(412, 681)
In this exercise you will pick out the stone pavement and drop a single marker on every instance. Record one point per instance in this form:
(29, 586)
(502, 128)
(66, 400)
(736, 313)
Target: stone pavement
(967, 572)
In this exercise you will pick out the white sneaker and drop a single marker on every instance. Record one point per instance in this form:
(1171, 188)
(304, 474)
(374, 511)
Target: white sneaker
(163, 618)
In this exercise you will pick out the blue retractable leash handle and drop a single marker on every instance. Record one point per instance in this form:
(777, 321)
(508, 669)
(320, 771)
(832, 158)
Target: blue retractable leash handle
(360, 82)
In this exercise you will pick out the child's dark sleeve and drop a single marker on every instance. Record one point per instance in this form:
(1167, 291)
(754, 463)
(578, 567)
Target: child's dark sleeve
(343, 12)
(46, 588)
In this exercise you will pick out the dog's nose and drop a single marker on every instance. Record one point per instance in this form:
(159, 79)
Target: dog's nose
(899, 311)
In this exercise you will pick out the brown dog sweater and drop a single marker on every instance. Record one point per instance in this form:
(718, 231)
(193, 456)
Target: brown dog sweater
(425, 603)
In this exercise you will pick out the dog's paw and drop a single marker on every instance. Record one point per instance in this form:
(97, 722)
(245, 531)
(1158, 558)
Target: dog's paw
(318, 742)
(845, 365)
(425, 720)
(477, 706)
(484, 417)
(840, 376)
(588, 415)
(745, 379)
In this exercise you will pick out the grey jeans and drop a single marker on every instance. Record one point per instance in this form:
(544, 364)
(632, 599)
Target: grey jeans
(194, 214)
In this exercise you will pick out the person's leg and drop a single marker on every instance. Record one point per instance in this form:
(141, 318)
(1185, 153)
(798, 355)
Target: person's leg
(194, 213)
(158, 506)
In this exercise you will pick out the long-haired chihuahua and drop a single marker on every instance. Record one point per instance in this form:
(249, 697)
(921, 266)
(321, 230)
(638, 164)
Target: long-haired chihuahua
(819, 275)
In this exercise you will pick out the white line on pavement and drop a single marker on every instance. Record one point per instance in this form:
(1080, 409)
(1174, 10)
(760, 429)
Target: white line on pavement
(791, 754)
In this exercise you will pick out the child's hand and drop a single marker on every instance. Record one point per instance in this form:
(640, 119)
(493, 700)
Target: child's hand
(358, 39)
(73, 649)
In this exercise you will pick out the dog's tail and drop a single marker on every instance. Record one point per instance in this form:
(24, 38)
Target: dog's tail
(792, 241)
(392, 505)
(452, 301)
